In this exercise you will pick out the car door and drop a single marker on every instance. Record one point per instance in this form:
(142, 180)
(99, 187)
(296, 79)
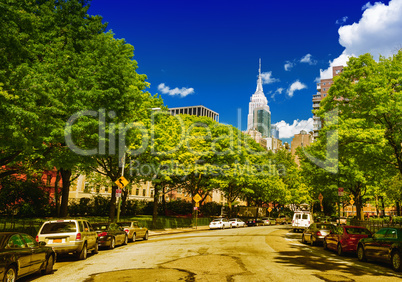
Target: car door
(38, 253)
(385, 244)
(17, 247)
(307, 233)
(138, 230)
(89, 233)
(373, 246)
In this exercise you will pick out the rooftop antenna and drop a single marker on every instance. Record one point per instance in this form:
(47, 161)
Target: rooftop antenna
(259, 70)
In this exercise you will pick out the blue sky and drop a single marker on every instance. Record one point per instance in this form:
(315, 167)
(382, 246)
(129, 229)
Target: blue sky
(207, 52)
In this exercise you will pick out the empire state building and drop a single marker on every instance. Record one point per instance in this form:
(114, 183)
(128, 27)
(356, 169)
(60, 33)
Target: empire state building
(259, 115)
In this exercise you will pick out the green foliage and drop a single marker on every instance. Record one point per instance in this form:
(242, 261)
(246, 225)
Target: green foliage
(210, 209)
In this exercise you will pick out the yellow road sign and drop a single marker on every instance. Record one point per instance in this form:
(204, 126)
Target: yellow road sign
(269, 209)
(197, 198)
(121, 182)
(352, 202)
(197, 204)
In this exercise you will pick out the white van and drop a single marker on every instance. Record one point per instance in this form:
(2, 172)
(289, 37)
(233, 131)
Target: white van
(301, 220)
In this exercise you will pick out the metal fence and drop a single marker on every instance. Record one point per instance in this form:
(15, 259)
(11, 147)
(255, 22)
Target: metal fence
(374, 226)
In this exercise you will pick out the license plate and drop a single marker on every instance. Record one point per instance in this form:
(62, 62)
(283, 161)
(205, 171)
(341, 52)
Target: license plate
(57, 240)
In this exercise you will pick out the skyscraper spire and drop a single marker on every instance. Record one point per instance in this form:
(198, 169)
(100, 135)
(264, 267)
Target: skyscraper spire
(259, 81)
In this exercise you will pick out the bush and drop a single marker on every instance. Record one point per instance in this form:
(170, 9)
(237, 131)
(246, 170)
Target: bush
(211, 209)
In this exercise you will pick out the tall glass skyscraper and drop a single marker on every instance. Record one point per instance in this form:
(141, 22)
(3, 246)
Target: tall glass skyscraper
(259, 115)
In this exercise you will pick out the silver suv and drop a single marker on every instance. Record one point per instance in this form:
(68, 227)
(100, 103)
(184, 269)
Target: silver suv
(69, 236)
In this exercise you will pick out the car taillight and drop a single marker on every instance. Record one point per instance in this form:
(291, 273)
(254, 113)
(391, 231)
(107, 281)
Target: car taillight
(318, 233)
(309, 222)
(37, 238)
(102, 234)
(78, 237)
(126, 230)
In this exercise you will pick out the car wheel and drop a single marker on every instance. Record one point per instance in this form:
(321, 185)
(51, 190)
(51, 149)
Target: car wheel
(49, 265)
(125, 240)
(134, 237)
(325, 245)
(10, 274)
(361, 254)
(112, 243)
(96, 249)
(396, 261)
(340, 251)
(146, 236)
(83, 254)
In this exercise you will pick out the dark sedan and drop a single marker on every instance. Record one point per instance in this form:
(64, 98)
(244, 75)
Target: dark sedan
(21, 255)
(110, 235)
(345, 238)
(384, 245)
(255, 222)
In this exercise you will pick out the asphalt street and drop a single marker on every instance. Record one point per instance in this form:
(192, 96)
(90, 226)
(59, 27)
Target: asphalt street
(271, 253)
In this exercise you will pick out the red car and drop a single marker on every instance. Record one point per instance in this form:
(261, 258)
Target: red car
(345, 238)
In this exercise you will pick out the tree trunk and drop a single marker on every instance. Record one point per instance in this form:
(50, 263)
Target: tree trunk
(124, 195)
(155, 207)
(65, 190)
(398, 208)
(56, 194)
(112, 206)
(164, 200)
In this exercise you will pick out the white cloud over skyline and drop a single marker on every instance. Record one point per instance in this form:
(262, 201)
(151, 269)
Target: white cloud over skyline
(182, 92)
(267, 78)
(297, 85)
(288, 66)
(378, 32)
(308, 60)
(343, 20)
(287, 130)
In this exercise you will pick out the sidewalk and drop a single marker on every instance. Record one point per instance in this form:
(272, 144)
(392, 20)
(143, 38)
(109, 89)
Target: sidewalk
(177, 230)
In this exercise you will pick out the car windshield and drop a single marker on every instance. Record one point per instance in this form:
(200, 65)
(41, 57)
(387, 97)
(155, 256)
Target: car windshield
(100, 227)
(58, 227)
(233, 219)
(217, 219)
(124, 224)
(324, 226)
(357, 231)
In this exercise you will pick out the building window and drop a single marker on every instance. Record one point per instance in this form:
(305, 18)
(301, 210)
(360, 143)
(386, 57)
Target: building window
(152, 193)
(137, 191)
(144, 192)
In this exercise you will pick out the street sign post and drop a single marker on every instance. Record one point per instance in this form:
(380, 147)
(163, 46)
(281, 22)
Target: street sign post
(197, 198)
(340, 191)
(118, 193)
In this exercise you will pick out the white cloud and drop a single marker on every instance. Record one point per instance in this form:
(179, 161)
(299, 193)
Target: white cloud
(277, 91)
(340, 61)
(308, 60)
(267, 78)
(343, 20)
(288, 65)
(297, 85)
(287, 130)
(366, 6)
(182, 92)
(378, 32)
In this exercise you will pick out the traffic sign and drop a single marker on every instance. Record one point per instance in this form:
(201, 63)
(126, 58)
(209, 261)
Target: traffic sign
(269, 209)
(351, 196)
(197, 198)
(197, 204)
(195, 208)
(121, 182)
(352, 202)
(340, 189)
(118, 193)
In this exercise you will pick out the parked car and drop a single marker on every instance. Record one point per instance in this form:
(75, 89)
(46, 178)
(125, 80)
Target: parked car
(301, 220)
(237, 222)
(345, 238)
(283, 219)
(268, 221)
(69, 236)
(21, 255)
(316, 232)
(255, 222)
(110, 235)
(220, 223)
(384, 245)
(134, 230)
